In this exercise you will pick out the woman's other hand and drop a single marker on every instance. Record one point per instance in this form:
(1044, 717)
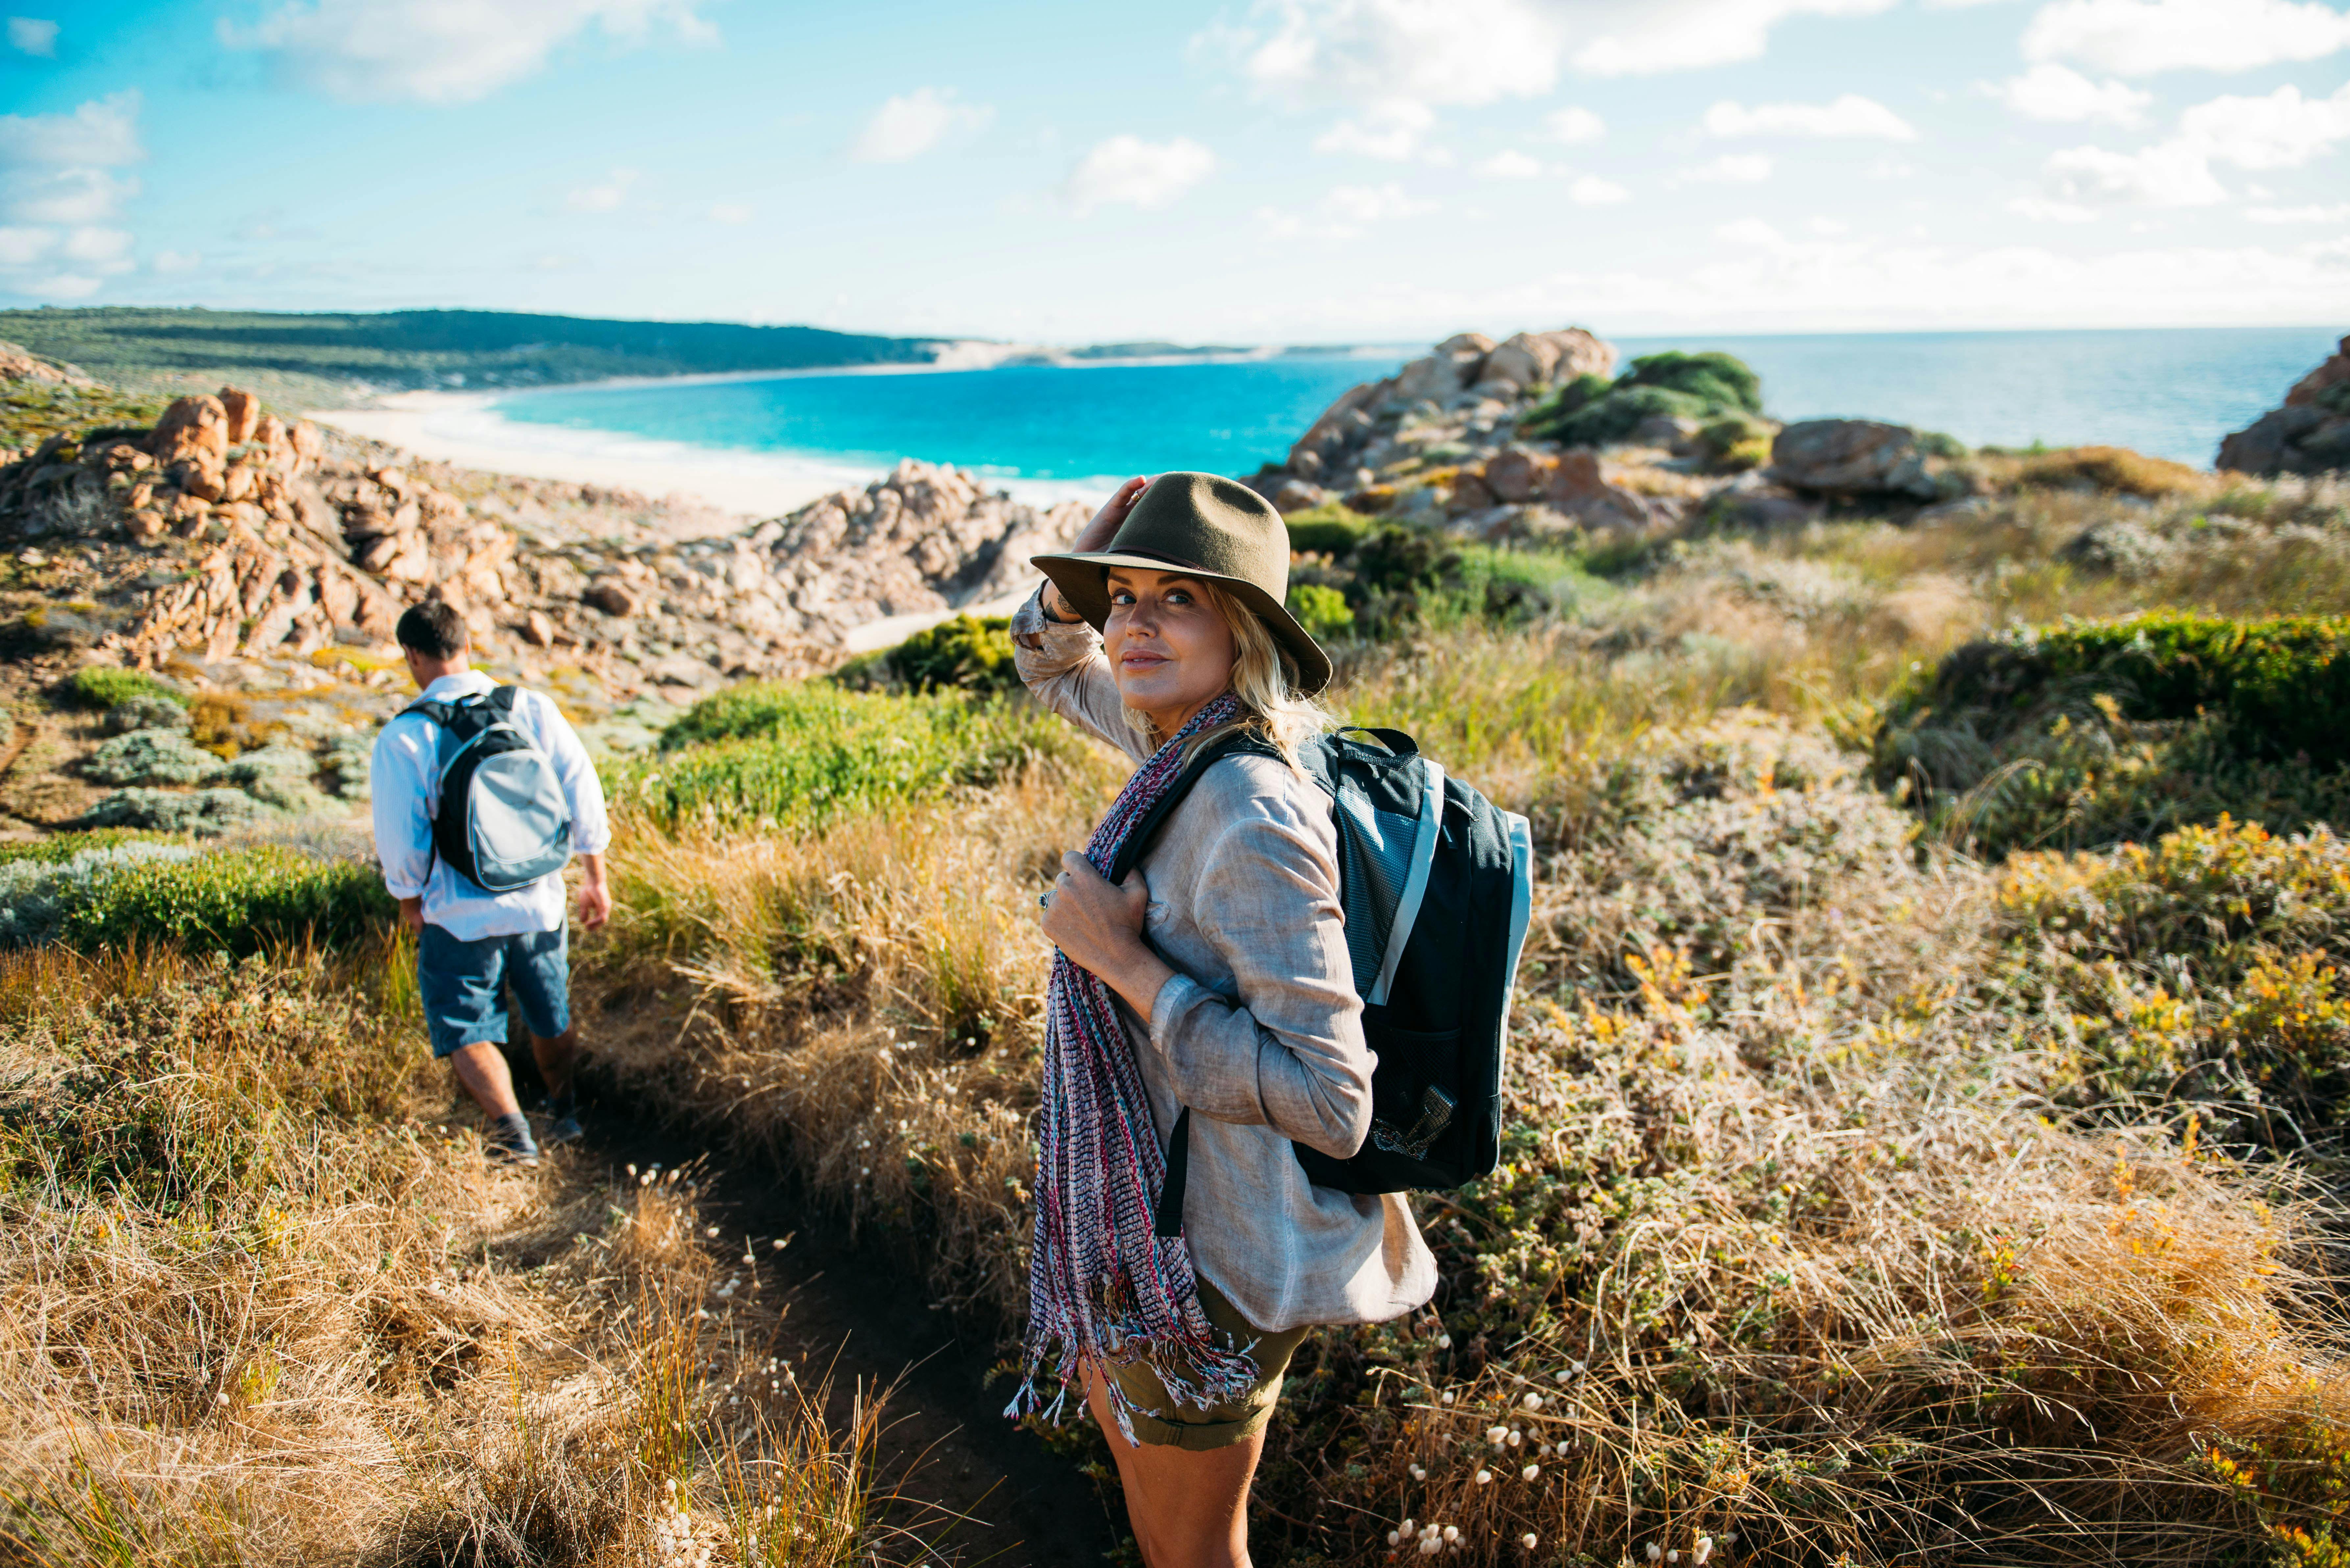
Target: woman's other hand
(1100, 927)
(1097, 534)
(1094, 536)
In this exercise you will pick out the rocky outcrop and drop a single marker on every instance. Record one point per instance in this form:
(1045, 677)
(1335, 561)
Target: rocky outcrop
(2308, 434)
(1845, 460)
(280, 547)
(18, 363)
(1468, 374)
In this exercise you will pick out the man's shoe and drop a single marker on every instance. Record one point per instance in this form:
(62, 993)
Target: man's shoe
(564, 1129)
(510, 1143)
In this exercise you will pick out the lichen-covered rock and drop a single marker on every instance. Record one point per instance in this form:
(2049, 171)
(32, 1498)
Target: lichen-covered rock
(1850, 458)
(2308, 434)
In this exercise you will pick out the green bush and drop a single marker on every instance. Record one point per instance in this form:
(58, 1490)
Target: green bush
(795, 754)
(1699, 387)
(1322, 610)
(2099, 732)
(234, 901)
(966, 652)
(104, 686)
(1713, 377)
(1331, 531)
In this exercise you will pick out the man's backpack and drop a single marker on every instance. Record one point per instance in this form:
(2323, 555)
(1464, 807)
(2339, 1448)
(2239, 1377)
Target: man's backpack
(1437, 883)
(502, 820)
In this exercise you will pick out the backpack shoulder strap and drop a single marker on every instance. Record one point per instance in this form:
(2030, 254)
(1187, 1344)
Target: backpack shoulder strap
(1138, 842)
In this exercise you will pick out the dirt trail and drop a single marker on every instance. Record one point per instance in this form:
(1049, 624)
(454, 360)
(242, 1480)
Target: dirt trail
(853, 1308)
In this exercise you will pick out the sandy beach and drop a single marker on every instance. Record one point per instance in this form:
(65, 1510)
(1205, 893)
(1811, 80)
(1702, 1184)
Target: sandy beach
(461, 428)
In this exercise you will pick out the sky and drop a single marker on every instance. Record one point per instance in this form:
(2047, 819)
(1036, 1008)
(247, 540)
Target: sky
(1284, 171)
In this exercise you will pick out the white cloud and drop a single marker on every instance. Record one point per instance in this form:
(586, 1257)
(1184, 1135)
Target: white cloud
(2048, 212)
(1131, 172)
(444, 51)
(1392, 131)
(2336, 215)
(24, 246)
(1850, 115)
(103, 248)
(1730, 169)
(102, 133)
(1573, 126)
(2280, 130)
(2139, 37)
(604, 196)
(729, 212)
(59, 287)
(64, 195)
(1510, 164)
(912, 123)
(2057, 93)
(2167, 174)
(32, 36)
(1591, 191)
(1376, 55)
(178, 261)
(1345, 211)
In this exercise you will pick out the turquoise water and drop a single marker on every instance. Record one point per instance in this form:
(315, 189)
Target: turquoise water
(2171, 393)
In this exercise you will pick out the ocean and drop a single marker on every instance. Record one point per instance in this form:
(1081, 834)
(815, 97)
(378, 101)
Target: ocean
(2170, 393)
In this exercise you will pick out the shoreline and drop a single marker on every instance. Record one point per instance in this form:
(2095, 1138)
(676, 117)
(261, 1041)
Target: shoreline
(461, 428)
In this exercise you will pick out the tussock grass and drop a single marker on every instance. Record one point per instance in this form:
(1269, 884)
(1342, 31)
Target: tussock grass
(258, 1306)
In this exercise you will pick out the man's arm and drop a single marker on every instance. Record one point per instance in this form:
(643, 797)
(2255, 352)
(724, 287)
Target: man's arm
(591, 834)
(403, 830)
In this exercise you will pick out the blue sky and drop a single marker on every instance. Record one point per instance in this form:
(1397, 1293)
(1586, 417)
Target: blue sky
(1288, 170)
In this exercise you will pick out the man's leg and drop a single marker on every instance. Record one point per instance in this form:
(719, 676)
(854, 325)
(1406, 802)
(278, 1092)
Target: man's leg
(482, 1068)
(538, 968)
(460, 982)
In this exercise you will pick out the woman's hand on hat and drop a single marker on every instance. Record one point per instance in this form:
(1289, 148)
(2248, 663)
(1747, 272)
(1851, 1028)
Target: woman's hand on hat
(1100, 927)
(1097, 534)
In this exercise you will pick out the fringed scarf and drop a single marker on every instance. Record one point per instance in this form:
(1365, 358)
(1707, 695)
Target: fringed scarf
(1101, 1286)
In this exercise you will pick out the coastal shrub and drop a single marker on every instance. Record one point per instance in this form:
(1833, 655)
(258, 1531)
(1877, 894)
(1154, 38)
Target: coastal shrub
(1736, 443)
(800, 752)
(105, 686)
(150, 757)
(1322, 610)
(2090, 732)
(1328, 530)
(2203, 969)
(1702, 388)
(2113, 469)
(965, 653)
(38, 891)
(233, 901)
(206, 812)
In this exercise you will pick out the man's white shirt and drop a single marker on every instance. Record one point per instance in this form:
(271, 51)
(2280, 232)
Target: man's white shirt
(404, 778)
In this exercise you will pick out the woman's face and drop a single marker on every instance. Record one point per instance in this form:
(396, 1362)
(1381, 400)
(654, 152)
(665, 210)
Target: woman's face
(1170, 650)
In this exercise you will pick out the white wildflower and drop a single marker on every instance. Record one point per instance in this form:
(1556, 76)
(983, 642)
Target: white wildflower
(1484, 1477)
(1530, 1472)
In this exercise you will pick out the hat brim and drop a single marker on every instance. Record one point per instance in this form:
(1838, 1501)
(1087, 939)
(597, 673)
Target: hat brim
(1084, 582)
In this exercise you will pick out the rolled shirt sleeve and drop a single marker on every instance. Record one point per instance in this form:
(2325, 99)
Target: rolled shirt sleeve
(1288, 1052)
(1063, 668)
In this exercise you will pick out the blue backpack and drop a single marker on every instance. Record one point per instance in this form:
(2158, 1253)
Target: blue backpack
(503, 821)
(1437, 883)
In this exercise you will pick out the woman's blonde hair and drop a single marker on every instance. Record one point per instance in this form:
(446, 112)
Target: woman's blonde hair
(1264, 678)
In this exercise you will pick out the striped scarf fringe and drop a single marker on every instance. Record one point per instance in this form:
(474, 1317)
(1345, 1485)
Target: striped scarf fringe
(1102, 1287)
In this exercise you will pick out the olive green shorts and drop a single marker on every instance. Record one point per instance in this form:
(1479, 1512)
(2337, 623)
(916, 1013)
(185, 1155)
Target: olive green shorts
(1179, 1426)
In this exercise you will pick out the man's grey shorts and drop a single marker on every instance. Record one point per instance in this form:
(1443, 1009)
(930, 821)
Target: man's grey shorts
(462, 985)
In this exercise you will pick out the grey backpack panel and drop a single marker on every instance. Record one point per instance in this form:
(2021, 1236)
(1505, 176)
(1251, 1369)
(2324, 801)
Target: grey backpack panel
(502, 820)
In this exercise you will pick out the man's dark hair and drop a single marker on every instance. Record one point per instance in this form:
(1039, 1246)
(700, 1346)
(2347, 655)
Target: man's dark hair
(432, 628)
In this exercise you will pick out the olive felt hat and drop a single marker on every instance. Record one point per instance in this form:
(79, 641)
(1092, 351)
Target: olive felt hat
(1206, 527)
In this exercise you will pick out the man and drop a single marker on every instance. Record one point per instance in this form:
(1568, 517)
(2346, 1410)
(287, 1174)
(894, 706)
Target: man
(472, 944)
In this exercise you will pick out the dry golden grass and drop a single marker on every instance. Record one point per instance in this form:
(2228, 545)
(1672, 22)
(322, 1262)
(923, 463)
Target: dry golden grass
(258, 1306)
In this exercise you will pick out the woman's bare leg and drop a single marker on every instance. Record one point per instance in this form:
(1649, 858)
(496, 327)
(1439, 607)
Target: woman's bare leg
(1189, 1509)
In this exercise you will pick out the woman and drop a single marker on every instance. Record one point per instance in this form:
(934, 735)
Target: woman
(1215, 978)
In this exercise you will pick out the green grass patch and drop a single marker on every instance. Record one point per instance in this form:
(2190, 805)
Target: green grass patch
(1705, 387)
(33, 411)
(796, 753)
(105, 686)
(237, 901)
